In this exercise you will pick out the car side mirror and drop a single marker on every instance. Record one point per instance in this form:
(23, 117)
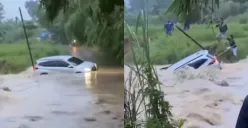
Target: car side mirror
(70, 66)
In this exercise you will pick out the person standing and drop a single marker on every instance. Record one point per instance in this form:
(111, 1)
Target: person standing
(186, 25)
(222, 29)
(233, 45)
(168, 28)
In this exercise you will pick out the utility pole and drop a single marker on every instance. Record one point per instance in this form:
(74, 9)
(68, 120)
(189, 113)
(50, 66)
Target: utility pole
(25, 32)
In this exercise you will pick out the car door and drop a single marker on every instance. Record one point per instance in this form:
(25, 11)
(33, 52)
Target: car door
(47, 66)
(62, 66)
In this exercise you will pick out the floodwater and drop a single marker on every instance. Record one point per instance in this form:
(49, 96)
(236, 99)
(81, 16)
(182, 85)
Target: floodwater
(87, 100)
(206, 98)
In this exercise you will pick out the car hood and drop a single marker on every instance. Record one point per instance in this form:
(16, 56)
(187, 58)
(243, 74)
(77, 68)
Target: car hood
(86, 64)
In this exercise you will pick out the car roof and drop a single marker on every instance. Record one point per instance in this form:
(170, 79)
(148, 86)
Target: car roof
(59, 57)
(197, 55)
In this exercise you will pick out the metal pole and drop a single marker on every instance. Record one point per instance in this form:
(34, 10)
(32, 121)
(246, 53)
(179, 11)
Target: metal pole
(223, 52)
(190, 38)
(25, 32)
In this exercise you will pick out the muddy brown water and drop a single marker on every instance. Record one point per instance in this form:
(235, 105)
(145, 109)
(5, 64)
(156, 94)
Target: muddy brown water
(218, 105)
(87, 100)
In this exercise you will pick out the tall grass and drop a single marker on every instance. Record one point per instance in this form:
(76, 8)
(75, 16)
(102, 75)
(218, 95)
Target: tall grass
(165, 50)
(144, 100)
(16, 58)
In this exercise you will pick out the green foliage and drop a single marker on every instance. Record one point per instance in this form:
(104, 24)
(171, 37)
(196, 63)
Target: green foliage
(94, 22)
(165, 50)
(12, 31)
(156, 111)
(243, 20)
(148, 49)
(231, 9)
(32, 8)
(54, 7)
(212, 8)
(1, 12)
(153, 19)
(17, 58)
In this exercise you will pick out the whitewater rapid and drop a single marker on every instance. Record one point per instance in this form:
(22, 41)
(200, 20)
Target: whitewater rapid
(205, 98)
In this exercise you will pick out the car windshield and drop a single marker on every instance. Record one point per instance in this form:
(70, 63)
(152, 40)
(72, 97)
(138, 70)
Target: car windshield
(75, 61)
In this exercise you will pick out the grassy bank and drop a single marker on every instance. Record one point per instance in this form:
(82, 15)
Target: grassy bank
(166, 50)
(16, 56)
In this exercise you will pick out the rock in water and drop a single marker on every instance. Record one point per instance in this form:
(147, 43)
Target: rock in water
(222, 83)
(89, 119)
(6, 89)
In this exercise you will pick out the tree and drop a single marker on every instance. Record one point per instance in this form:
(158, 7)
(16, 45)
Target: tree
(95, 22)
(32, 8)
(184, 8)
(1, 12)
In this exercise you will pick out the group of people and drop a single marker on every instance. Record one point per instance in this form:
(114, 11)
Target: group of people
(169, 28)
(222, 36)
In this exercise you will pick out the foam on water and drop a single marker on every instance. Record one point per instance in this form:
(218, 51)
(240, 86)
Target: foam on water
(198, 96)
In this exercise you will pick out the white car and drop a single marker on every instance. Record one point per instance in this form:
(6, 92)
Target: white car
(196, 60)
(63, 64)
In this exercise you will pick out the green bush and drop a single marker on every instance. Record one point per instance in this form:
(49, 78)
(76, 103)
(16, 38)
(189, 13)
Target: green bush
(243, 20)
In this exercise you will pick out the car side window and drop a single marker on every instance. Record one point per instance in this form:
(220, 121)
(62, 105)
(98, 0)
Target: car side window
(47, 64)
(61, 64)
(197, 63)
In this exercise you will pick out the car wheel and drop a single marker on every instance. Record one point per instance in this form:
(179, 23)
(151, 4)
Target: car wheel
(94, 68)
(44, 73)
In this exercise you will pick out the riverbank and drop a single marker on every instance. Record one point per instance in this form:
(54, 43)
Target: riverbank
(14, 57)
(169, 49)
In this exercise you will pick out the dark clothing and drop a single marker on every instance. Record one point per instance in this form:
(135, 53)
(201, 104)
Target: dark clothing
(222, 28)
(169, 33)
(232, 43)
(186, 25)
(242, 121)
(168, 27)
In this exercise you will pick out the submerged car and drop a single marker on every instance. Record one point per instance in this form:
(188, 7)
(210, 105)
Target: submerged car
(63, 64)
(199, 59)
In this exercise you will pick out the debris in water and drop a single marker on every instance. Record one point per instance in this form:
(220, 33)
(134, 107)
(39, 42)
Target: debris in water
(6, 89)
(107, 112)
(89, 119)
(222, 83)
(100, 101)
(33, 118)
(115, 118)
